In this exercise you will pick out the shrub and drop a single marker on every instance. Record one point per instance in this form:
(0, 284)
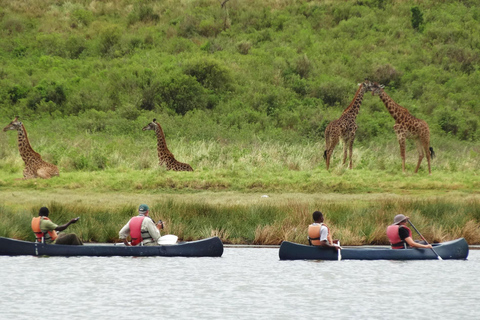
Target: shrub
(81, 17)
(182, 93)
(210, 74)
(417, 19)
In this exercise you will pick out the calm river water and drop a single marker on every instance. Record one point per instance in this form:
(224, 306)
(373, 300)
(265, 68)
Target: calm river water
(245, 283)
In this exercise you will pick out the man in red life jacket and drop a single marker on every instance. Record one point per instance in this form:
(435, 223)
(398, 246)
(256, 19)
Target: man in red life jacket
(46, 231)
(400, 236)
(141, 229)
(319, 234)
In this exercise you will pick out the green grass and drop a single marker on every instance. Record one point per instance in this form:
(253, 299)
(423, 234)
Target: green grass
(255, 220)
(244, 97)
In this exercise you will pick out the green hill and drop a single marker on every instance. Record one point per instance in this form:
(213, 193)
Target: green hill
(234, 72)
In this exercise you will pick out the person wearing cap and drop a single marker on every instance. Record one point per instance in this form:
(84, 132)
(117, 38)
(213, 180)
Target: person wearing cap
(319, 234)
(46, 231)
(400, 236)
(141, 229)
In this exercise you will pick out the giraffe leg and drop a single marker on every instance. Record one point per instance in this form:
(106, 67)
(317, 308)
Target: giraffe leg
(350, 150)
(345, 146)
(329, 150)
(43, 173)
(402, 153)
(420, 155)
(27, 174)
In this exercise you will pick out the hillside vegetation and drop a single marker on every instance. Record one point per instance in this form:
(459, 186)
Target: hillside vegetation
(243, 89)
(278, 70)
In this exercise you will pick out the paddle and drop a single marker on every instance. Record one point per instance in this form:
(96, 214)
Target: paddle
(438, 256)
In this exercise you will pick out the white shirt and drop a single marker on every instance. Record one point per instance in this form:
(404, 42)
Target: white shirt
(323, 231)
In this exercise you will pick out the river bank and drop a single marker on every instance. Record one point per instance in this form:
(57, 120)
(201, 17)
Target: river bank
(247, 218)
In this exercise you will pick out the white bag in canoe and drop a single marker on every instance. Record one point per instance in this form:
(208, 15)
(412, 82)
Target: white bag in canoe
(168, 239)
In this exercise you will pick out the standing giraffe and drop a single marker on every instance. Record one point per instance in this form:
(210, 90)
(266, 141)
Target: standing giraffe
(34, 165)
(344, 127)
(407, 127)
(164, 155)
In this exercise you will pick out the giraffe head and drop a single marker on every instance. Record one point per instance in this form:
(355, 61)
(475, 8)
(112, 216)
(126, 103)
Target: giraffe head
(375, 87)
(14, 125)
(151, 126)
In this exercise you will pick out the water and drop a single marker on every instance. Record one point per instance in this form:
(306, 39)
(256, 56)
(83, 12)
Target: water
(245, 283)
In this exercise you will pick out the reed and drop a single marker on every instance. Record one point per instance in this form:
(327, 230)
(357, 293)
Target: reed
(253, 222)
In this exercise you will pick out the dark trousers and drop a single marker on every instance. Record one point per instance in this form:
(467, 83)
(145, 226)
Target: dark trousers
(69, 239)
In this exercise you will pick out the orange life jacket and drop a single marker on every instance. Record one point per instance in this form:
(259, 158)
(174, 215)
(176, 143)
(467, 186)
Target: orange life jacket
(135, 225)
(39, 234)
(394, 236)
(314, 233)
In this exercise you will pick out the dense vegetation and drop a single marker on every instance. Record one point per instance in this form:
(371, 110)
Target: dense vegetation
(269, 221)
(244, 91)
(271, 69)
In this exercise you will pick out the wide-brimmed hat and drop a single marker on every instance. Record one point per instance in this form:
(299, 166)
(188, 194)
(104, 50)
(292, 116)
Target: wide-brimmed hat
(399, 218)
(143, 208)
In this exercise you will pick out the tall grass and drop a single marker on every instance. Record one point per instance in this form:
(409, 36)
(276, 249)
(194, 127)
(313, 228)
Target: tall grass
(269, 222)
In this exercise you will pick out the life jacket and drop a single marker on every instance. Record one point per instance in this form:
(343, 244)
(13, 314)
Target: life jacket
(394, 236)
(136, 233)
(39, 234)
(314, 233)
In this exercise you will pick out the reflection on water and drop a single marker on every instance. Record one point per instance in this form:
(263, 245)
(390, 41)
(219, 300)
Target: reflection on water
(246, 283)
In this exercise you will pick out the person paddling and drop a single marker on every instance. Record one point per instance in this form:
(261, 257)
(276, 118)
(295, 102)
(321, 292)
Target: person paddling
(400, 236)
(141, 229)
(319, 234)
(46, 231)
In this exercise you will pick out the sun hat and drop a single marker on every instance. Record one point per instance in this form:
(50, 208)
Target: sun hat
(399, 218)
(143, 208)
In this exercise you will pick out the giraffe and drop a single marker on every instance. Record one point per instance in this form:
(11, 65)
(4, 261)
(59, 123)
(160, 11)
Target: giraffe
(34, 165)
(344, 128)
(407, 127)
(164, 155)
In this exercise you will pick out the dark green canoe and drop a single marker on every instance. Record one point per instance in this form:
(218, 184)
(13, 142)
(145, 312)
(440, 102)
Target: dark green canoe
(455, 249)
(211, 247)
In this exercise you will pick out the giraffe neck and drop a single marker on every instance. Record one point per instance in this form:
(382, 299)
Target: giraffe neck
(394, 108)
(354, 106)
(24, 147)
(161, 143)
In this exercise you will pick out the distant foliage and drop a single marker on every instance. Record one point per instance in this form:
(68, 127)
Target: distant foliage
(255, 68)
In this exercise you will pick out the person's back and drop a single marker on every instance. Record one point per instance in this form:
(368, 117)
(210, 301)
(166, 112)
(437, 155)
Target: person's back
(318, 232)
(141, 229)
(45, 230)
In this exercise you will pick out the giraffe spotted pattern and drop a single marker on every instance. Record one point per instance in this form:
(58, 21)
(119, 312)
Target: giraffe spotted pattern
(35, 166)
(407, 127)
(344, 128)
(165, 157)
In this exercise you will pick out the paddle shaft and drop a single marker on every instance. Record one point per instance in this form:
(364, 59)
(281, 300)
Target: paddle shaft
(438, 256)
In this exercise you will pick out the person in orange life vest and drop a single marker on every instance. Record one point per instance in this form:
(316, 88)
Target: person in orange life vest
(141, 229)
(400, 235)
(319, 234)
(45, 230)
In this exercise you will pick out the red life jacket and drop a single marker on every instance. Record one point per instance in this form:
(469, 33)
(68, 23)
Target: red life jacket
(394, 236)
(135, 225)
(314, 233)
(39, 234)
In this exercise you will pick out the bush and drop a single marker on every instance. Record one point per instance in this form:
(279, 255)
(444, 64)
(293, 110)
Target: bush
(182, 93)
(210, 74)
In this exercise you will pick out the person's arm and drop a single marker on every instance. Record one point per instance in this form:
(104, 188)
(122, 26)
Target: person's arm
(152, 229)
(329, 238)
(413, 244)
(64, 226)
(124, 233)
(326, 238)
